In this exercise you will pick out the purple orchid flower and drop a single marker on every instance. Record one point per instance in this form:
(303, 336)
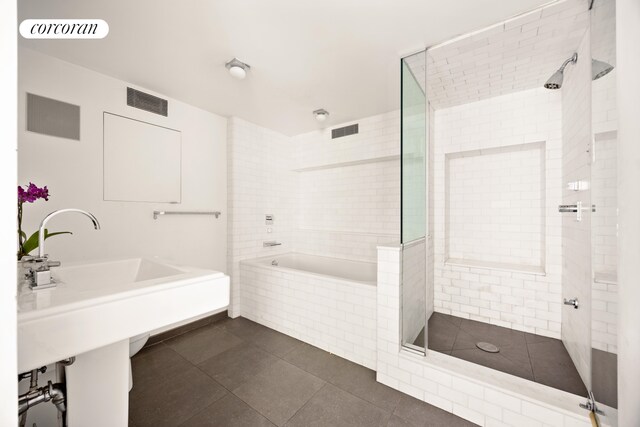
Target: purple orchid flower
(32, 193)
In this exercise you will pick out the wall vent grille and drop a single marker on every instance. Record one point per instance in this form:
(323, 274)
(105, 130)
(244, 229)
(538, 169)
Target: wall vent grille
(147, 102)
(52, 117)
(344, 131)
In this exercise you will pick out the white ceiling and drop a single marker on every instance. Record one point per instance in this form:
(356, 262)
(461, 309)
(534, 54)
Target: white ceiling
(342, 55)
(519, 54)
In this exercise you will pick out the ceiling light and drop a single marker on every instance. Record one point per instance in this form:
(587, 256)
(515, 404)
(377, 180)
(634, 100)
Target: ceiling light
(321, 114)
(237, 68)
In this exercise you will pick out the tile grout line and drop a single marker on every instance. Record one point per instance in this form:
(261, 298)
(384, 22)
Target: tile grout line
(304, 370)
(305, 403)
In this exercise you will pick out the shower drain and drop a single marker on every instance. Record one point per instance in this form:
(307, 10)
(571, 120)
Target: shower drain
(488, 347)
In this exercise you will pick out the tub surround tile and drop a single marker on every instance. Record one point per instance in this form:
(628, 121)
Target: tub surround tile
(270, 173)
(336, 315)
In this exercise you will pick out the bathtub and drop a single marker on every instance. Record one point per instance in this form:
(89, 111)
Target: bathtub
(326, 302)
(336, 268)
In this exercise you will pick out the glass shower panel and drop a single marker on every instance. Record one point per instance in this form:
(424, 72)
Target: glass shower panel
(413, 205)
(604, 226)
(414, 122)
(576, 210)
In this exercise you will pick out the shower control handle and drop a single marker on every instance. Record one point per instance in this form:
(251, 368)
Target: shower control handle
(572, 301)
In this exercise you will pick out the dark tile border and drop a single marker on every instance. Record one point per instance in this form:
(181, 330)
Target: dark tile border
(171, 333)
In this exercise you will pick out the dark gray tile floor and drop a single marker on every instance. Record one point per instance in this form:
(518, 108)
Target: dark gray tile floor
(533, 357)
(239, 373)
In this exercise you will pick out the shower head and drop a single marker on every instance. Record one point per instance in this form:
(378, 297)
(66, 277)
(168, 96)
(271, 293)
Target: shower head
(599, 69)
(555, 81)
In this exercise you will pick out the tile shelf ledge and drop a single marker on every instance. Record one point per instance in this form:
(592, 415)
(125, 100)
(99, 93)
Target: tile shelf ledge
(605, 278)
(489, 265)
(356, 232)
(349, 163)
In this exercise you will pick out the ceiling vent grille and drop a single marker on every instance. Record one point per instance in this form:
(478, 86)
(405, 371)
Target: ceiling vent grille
(147, 102)
(344, 131)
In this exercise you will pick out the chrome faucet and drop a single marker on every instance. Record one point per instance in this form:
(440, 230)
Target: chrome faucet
(39, 274)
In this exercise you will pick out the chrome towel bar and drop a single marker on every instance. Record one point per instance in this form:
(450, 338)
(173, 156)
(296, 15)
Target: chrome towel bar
(156, 214)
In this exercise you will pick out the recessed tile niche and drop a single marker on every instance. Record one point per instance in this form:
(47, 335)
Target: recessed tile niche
(142, 161)
(495, 207)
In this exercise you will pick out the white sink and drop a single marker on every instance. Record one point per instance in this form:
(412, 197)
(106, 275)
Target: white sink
(100, 303)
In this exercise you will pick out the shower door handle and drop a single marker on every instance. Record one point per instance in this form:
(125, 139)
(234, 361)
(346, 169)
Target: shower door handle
(572, 301)
(577, 208)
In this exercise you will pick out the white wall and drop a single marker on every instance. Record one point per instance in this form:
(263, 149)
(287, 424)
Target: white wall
(628, 93)
(576, 236)
(497, 248)
(349, 189)
(73, 172)
(261, 181)
(8, 120)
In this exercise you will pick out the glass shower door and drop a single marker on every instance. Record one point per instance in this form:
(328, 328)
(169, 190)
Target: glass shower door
(414, 201)
(604, 225)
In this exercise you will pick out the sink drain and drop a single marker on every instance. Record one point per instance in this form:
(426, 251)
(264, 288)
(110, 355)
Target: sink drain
(488, 347)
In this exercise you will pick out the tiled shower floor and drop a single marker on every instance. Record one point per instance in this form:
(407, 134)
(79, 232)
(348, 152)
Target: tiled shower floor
(534, 357)
(239, 373)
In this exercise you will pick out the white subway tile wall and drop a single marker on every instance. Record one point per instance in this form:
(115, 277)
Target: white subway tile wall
(604, 226)
(496, 195)
(414, 290)
(337, 198)
(261, 181)
(509, 57)
(576, 236)
(604, 186)
(494, 290)
(483, 401)
(350, 202)
(335, 315)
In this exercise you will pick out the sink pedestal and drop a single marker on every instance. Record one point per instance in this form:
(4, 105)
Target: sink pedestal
(98, 387)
